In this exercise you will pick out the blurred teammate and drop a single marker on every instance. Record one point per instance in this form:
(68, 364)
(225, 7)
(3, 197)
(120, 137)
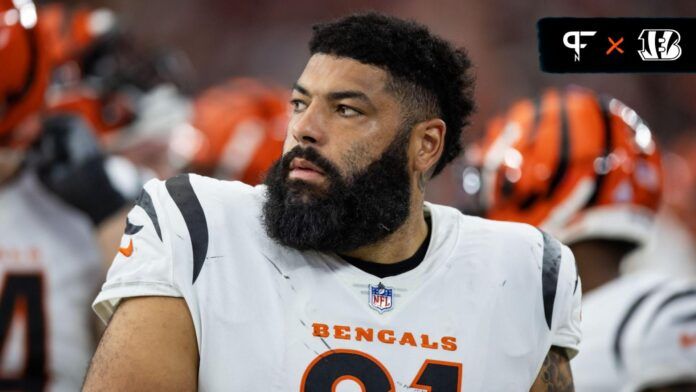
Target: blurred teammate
(55, 187)
(74, 34)
(585, 168)
(336, 274)
(49, 263)
(658, 344)
(672, 247)
(236, 132)
(131, 96)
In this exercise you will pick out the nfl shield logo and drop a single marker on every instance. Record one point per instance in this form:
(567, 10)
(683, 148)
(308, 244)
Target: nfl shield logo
(380, 297)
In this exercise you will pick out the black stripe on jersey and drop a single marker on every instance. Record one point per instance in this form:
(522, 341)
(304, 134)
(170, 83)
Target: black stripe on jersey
(663, 305)
(564, 153)
(577, 279)
(551, 264)
(686, 319)
(618, 358)
(145, 202)
(182, 193)
(131, 228)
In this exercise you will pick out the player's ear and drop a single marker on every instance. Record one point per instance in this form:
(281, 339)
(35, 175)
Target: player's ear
(428, 143)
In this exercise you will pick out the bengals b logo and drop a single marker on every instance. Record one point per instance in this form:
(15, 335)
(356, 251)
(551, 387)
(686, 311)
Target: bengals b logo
(660, 45)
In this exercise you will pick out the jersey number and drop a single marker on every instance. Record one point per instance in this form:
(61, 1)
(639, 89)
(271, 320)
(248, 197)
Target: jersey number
(331, 368)
(22, 296)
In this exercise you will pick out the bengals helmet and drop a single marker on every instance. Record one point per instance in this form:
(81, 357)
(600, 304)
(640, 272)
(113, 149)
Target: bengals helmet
(579, 165)
(105, 113)
(24, 70)
(237, 131)
(74, 34)
(105, 77)
(70, 32)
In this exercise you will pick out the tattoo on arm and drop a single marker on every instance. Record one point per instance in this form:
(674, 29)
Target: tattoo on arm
(555, 374)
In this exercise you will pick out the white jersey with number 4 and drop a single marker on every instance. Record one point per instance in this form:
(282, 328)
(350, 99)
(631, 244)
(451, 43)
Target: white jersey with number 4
(479, 313)
(50, 268)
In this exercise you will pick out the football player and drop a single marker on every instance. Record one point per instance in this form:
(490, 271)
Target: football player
(131, 96)
(74, 35)
(672, 247)
(336, 275)
(586, 168)
(236, 132)
(658, 350)
(49, 262)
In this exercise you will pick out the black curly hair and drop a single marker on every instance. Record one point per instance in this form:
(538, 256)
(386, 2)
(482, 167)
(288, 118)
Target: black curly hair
(428, 75)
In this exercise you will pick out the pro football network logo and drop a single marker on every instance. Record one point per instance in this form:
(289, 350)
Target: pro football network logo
(660, 45)
(381, 297)
(575, 44)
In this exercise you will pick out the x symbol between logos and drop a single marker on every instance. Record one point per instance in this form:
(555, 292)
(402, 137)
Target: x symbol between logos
(615, 45)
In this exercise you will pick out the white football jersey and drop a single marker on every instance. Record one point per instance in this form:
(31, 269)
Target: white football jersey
(659, 348)
(615, 323)
(50, 268)
(479, 313)
(669, 250)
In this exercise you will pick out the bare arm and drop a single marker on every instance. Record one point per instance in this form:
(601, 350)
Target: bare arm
(555, 374)
(149, 345)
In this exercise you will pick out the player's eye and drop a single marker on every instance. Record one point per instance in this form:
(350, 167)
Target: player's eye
(347, 111)
(297, 105)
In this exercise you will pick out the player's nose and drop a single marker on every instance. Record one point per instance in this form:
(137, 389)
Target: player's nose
(308, 128)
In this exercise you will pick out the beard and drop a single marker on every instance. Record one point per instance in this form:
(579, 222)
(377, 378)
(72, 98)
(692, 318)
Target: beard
(343, 213)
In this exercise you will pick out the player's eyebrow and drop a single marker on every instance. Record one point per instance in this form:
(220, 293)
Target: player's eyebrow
(348, 94)
(298, 87)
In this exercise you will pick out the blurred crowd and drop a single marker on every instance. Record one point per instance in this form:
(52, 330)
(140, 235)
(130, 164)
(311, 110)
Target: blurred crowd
(96, 98)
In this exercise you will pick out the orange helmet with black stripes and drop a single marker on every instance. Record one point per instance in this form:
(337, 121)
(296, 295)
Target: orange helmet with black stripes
(106, 113)
(70, 31)
(237, 131)
(24, 69)
(575, 163)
